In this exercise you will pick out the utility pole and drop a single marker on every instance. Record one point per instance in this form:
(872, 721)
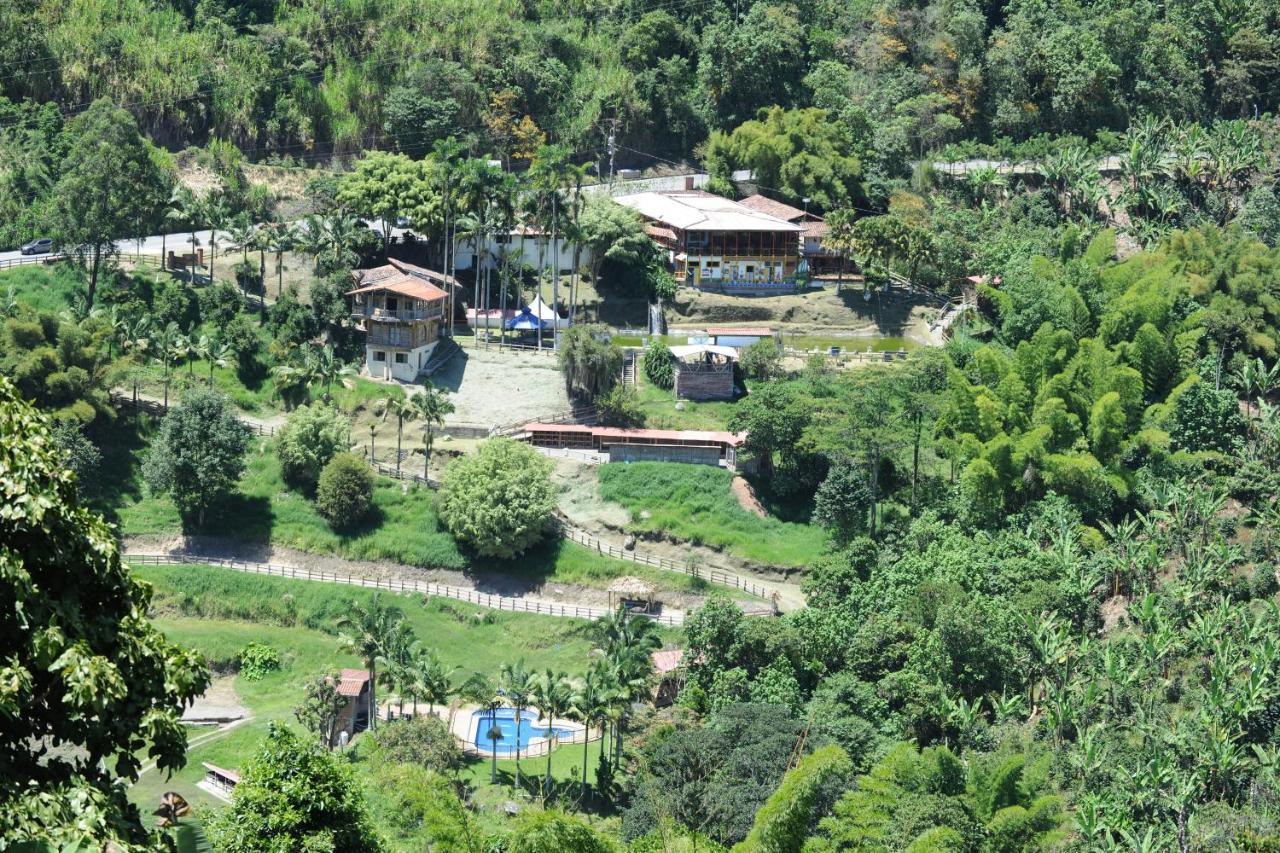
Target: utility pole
(613, 144)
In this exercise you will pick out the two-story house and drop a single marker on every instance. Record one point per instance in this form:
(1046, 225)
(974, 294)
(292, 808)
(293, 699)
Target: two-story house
(401, 308)
(716, 243)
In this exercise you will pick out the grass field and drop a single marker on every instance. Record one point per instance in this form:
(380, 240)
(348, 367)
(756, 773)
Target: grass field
(218, 612)
(42, 287)
(695, 502)
(403, 527)
(660, 412)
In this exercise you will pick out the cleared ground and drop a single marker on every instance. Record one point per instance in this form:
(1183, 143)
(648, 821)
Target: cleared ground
(489, 386)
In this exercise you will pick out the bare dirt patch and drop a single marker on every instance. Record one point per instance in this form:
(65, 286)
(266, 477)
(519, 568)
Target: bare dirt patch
(816, 312)
(218, 704)
(495, 387)
(747, 499)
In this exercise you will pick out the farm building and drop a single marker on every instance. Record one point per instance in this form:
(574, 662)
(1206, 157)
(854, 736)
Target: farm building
(354, 716)
(640, 445)
(819, 258)
(704, 371)
(714, 243)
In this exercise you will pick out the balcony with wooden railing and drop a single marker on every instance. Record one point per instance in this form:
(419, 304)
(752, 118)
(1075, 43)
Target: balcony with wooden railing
(395, 315)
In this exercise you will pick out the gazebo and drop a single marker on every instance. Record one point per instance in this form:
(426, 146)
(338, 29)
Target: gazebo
(629, 589)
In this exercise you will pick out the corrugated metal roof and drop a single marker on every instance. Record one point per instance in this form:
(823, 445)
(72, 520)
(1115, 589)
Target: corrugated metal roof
(700, 211)
(686, 350)
(741, 331)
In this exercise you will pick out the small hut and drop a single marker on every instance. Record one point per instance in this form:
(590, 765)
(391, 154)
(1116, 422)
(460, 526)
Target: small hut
(704, 371)
(631, 591)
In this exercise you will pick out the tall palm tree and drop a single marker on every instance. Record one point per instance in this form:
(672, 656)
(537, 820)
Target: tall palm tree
(327, 368)
(217, 214)
(366, 633)
(283, 237)
(483, 692)
(587, 703)
(431, 406)
(310, 240)
(436, 680)
(240, 233)
(517, 685)
(398, 671)
(339, 236)
(166, 351)
(403, 411)
(554, 694)
(189, 208)
(627, 642)
(216, 352)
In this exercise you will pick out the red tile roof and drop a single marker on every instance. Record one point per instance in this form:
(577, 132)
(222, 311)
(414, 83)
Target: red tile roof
(405, 279)
(771, 207)
(351, 682)
(676, 435)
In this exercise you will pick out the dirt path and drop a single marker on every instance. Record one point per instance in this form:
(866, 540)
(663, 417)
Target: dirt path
(501, 591)
(269, 424)
(746, 495)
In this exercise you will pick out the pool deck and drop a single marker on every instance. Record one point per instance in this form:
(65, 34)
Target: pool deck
(463, 723)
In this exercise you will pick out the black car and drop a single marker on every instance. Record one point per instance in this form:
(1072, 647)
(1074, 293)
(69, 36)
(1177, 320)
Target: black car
(40, 246)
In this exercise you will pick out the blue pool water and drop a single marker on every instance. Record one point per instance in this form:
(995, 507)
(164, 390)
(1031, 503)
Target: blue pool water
(505, 721)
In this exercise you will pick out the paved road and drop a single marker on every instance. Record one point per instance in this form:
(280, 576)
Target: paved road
(151, 245)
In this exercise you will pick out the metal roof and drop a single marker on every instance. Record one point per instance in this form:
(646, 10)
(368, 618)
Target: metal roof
(694, 210)
(764, 204)
(683, 352)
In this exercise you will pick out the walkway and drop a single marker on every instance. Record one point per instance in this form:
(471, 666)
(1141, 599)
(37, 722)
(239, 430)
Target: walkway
(496, 602)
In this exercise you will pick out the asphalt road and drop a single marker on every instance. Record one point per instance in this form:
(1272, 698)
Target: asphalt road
(150, 245)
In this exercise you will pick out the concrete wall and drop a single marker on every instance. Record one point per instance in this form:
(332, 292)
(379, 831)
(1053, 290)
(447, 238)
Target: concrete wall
(389, 368)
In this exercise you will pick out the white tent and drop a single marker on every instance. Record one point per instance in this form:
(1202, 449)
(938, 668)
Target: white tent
(543, 311)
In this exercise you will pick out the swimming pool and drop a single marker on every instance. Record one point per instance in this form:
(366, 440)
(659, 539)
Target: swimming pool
(505, 721)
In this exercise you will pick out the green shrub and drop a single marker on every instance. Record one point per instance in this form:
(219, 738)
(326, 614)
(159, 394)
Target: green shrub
(620, 408)
(345, 491)
(500, 499)
(659, 364)
(424, 740)
(256, 660)
(762, 360)
(311, 437)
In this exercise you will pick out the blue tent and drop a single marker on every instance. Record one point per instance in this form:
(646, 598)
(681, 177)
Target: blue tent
(526, 322)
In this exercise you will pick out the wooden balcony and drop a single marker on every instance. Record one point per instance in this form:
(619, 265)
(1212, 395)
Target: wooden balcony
(389, 315)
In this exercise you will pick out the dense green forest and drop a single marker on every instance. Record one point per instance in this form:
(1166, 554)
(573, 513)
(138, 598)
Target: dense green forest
(307, 79)
(1038, 562)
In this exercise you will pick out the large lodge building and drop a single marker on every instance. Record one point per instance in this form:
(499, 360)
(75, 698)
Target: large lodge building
(715, 243)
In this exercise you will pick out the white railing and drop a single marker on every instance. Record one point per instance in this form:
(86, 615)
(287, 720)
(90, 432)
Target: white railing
(470, 596)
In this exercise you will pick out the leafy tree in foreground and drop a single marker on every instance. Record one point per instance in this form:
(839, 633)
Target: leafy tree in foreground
(500, 499)
(590, 363)
(198, 454)
(111, 183)
(344, 492)
(294, 796)
(659, 367)
(312, 436)
(81, 663)
(555, 832)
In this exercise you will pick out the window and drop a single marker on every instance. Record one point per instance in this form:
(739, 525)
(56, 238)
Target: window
(402, 358)
(379, 355)
(392, 304)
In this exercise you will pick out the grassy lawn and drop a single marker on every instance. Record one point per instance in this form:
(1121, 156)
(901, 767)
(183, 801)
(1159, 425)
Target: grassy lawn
(218, 612)
(660, 412)
(403, 527)
(695, 502)
(41, 287)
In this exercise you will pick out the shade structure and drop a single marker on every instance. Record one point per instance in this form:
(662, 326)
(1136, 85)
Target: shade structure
(526, 322)
(632, 588)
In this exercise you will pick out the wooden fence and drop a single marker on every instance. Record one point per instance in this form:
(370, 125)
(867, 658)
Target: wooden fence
(716, 576)
(470, 596)
(156, 409)
(24, 260)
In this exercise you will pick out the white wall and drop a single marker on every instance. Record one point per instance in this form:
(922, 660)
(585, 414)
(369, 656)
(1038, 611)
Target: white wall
(415, 360)
(563, 260)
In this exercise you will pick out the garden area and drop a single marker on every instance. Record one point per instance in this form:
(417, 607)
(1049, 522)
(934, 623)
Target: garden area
(221, 614)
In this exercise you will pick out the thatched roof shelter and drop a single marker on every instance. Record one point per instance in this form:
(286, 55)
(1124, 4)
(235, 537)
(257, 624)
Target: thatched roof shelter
(631, 588)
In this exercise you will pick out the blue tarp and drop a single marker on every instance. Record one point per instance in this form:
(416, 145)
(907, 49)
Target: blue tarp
(526, 322)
